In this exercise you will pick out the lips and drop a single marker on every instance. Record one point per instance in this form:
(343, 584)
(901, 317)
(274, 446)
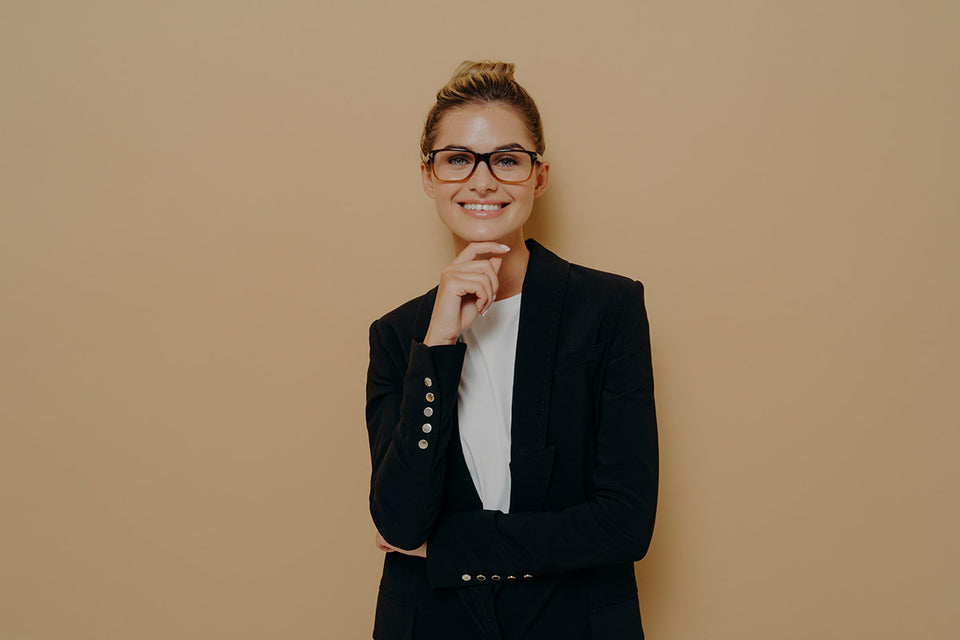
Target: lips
(483, 210)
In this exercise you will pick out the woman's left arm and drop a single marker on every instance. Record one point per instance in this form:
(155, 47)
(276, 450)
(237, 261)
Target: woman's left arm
(615, 524)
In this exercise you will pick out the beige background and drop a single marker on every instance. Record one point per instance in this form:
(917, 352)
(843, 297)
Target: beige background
(203, 204)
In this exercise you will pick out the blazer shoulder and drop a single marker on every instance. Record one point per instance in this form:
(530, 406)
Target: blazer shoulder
(601, 289)
(402, 321)
(601, 286)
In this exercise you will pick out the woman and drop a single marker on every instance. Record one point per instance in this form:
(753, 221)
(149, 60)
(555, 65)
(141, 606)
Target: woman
(510, 409)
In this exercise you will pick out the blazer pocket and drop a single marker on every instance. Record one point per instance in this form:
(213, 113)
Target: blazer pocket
(577, 357)
(617, 621)
(394, 618)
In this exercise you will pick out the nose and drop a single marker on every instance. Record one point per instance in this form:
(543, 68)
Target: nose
(482, 180)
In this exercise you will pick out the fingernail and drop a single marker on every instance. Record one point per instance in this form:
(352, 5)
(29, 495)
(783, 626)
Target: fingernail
(505, 247)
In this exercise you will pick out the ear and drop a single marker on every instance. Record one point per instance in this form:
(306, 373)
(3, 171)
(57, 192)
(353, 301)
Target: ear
(543, 175)
(428, 185)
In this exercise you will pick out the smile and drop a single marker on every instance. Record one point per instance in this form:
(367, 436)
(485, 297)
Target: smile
(484, 210)
(469, 206)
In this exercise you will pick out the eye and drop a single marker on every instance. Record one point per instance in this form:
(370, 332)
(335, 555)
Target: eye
(509, 161)
(458, 160)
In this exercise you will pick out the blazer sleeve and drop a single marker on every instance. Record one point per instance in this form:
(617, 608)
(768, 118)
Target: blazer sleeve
(409, 411)
(614, 525)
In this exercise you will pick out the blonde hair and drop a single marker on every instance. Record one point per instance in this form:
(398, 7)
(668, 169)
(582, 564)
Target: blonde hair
(483, 82)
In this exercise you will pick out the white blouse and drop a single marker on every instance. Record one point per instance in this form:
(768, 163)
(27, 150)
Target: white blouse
(485, 400)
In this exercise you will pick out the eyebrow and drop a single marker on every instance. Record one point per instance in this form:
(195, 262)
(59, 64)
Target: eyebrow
(507, 147)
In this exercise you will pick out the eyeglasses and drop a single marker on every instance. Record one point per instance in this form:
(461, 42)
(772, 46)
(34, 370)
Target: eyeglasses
(512, 166)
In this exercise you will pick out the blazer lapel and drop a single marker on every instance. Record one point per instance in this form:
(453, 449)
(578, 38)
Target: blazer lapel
(531, 461)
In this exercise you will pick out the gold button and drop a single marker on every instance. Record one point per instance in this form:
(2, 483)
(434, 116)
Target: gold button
(495, 578)
(481, 578)
(423, 444)
(427, 382)
(527, 575)
(427, 427)
(465, 577)
(428, 412)
(511, 577)
(430, 397)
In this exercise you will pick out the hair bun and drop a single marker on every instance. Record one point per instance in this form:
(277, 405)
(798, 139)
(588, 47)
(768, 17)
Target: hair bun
(482, 83)
(484, 68)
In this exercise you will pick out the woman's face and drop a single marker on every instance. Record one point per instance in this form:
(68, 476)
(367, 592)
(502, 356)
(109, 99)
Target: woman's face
(482, 129)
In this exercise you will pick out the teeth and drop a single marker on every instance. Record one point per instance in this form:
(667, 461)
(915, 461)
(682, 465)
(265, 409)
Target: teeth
(482, 207)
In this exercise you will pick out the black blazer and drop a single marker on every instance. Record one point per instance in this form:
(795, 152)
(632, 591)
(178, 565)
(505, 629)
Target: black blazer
(584, 467)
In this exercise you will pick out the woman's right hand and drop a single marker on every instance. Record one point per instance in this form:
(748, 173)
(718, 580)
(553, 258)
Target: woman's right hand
(468, 286)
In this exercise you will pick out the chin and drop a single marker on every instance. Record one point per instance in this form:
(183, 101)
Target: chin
(483, 235)
(484, 231)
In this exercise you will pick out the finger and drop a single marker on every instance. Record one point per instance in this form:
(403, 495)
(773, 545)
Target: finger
(482, 269)
(489, 267)
(495, 263)
(382, 544)
(494, 287)
(475, 249)
(479, 284)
